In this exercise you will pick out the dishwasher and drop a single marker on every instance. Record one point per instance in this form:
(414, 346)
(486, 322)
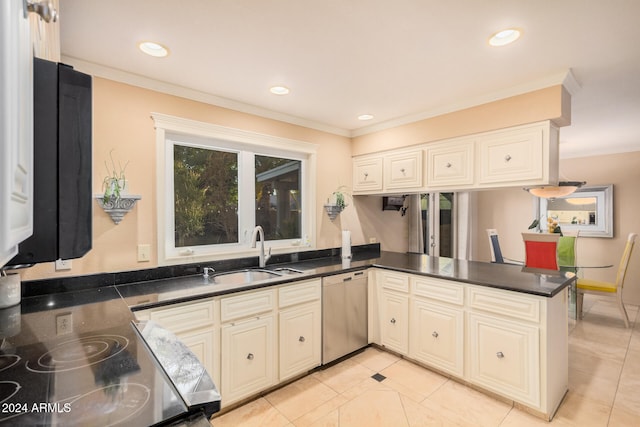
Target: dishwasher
(344, 314)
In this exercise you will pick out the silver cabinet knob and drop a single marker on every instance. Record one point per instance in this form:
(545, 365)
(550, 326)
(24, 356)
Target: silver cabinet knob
(402, 170)
(301, 339)
(250, 356)
(366, 174)
(434, 334)
(448, 165)
(499, 355)
(507, 158)
(393, 320)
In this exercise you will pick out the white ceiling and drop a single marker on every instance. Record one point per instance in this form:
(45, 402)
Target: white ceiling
(400, 60)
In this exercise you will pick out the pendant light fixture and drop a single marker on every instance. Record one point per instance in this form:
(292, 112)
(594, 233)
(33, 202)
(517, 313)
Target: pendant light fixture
(564, 188)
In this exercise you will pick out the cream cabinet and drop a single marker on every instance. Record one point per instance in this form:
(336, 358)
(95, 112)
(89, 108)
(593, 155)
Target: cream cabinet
(403, 171)
(522, 155)
(195, 325)
(436, 327)
(248, 344)
(450, 164)
(248, 357)
(16, 128)
(367, 174)
(300, 328)
(509, 343)
(506, 357)
(393, 310)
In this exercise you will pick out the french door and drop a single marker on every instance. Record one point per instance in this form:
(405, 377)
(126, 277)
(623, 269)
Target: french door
(438, 223)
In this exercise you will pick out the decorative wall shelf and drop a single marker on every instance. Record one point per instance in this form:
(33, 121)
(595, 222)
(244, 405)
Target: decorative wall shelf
(117, 208)
(333, 211)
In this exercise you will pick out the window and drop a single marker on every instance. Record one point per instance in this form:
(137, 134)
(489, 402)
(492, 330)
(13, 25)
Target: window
(216, 184)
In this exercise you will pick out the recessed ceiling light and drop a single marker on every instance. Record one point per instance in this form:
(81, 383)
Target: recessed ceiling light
(365, 117)
(505, 37)
(279, 90)
(154, 49)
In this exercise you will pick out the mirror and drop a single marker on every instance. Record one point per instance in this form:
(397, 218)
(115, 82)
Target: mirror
(589, 210)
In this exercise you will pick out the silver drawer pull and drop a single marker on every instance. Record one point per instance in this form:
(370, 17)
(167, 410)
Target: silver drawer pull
(500, 355)
(393, 320)
(507, 158)
(301, 339)
(434, 334)
(402, 170)
(250, 356)
(448, 165)
(366, 174)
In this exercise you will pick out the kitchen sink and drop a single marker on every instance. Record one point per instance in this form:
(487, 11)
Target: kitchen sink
(239, 277)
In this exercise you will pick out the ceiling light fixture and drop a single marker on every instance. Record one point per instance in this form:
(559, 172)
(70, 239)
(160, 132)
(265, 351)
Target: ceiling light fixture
(365, 117)
(154, 49)
(505, 37)
(279, 90)
(564, 188)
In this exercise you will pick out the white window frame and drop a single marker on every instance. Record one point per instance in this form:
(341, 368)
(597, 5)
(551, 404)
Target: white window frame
(170, 129)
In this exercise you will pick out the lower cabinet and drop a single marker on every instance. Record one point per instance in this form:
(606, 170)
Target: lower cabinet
(437, 336)
(394, 320)
(505, 357)
(248, 359)
(300, 339)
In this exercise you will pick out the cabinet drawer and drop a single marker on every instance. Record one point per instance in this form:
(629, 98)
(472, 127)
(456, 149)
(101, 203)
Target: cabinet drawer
(511, 304)
(299, 293)
(182, 317)
(438, 289)
(247, 304)
(394, 281)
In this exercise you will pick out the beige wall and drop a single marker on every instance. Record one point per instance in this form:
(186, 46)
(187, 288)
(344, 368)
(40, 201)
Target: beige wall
(510, 211)
(122, 123)
(552, 103)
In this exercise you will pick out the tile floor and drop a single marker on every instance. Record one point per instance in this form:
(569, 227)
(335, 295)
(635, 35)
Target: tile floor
(604, 382)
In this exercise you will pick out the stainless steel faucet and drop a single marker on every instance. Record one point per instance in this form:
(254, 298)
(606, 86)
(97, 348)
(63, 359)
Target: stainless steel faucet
(263, 259)
(206, 271)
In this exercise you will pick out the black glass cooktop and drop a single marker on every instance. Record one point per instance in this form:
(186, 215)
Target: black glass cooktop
(97, 371)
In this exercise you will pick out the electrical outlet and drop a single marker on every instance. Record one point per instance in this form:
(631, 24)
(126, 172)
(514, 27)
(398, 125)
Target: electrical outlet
(373, 240)
(63, 264)
(64, 324)
(144, 253)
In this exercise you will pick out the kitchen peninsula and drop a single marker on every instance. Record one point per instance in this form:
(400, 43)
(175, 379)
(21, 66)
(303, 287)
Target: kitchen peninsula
(522, 313)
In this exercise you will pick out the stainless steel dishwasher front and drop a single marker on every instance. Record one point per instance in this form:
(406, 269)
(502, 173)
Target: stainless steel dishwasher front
(344, 314)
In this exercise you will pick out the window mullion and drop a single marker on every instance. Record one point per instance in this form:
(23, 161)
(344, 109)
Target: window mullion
(246, 196)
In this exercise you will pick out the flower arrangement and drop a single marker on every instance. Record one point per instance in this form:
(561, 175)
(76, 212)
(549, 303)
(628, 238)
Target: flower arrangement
(114, 183)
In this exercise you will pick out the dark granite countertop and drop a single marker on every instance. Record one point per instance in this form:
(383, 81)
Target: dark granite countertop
(545, 283)
(31, 328)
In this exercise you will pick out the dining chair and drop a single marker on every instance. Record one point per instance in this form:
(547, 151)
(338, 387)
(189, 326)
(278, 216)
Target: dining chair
(541, 250)
(568, 251)
(607, 289)
(496, 252)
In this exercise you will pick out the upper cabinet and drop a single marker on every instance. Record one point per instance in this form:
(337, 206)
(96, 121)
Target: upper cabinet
(16, 128)
(516, 156)
(388, 172)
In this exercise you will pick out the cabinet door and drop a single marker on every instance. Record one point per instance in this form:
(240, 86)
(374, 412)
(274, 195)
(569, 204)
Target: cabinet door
(437, 336)
(403, 170)
(504, 357)
(394, 321)
(16, 128)
(247, 358)
(202, 342)
(450, 165)
(300, 336)
(367, 174)
(514, 156)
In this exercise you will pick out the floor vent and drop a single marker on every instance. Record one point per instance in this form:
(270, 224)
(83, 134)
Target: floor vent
(378, 377)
